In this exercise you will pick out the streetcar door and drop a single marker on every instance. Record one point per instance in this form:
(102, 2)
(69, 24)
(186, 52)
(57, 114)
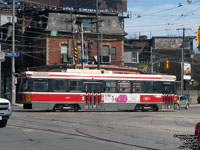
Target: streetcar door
(93, 95)
(168, 92)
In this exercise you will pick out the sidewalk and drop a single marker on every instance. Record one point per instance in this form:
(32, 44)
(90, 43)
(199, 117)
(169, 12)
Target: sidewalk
(194, 105)
(17, 104)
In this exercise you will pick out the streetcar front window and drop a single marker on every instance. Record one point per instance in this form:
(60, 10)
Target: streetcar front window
(25, 85)
(40, 85)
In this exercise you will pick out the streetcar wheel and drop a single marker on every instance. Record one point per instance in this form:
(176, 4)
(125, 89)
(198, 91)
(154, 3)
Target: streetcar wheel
(154, 108)
(58, 107)
(187, 106)
(75, 108)
(3, 123)
(177, 106)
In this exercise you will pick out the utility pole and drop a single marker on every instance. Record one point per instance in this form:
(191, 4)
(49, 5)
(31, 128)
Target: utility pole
(13, 88)
(97, 29)
(0, 72)
(151, 60)
(182, 63)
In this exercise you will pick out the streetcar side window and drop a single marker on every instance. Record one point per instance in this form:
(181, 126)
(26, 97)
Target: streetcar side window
(40, 85)
(110, 86)
(124, 86)
(75, 86)
(138, 87)
(152, 87)
(59, 85)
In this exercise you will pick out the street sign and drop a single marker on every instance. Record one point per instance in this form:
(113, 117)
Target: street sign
(12, 54)
(54, 33)
(2, 56)
(83, 60)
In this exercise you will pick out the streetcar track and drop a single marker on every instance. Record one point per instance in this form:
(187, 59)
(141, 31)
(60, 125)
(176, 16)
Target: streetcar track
(80, 133)
(83, 135)
(36, 141)
(113, 141)
(106, 125)
(46, 130)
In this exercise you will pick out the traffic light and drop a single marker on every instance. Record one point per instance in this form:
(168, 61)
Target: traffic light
(76, 57)
(167, 64)
(198, 37)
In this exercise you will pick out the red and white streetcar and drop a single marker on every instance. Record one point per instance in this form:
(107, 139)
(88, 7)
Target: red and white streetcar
(96, 90)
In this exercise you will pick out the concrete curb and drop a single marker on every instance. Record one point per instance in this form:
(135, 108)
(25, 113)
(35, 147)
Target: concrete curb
(194, 105)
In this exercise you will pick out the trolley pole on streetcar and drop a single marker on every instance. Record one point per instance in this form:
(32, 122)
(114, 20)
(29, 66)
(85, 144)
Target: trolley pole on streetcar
(13, 88)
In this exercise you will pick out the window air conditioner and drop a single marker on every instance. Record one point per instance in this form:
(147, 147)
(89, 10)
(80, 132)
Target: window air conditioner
(105, 59)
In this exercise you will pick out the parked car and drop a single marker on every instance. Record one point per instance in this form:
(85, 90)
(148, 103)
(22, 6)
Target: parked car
(198, 99)
(5, 112)
(183, 102)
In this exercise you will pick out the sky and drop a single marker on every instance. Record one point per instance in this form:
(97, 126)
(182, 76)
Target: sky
(162, 17)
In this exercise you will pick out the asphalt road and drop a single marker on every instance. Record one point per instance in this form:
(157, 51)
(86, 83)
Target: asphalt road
(36, 130)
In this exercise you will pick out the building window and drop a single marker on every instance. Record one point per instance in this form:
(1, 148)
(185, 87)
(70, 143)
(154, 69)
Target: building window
(131, 57)
(134, 57)
(1, 35)
(113, 52)
(86, 24)
(9, 19)
(105, 51)
(64, 53)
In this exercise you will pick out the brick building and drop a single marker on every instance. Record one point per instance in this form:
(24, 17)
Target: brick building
(49, 37)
